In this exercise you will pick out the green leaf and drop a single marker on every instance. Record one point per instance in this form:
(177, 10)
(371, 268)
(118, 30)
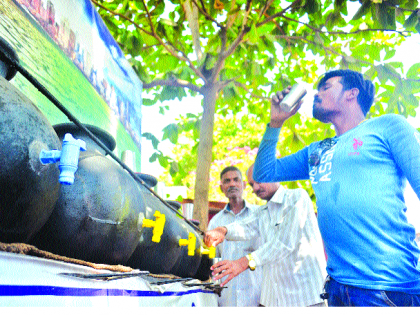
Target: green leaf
(312, 6)
(196, 130)
(152, 138)
(385, 15)
(167, 63)
(370, 73)
(350, 59)
(170, 93)
(163, 161)
(153, 157)
(148, 101)
(363, 10)
(411, 4)
(174, 168)
(389, 54)
(171, 132)
(135, 44)
(253, 35)
(409, 102)
(390, 70)
(168, 22)
(383, 78)
(341, 6)
(395, 64)
(414, 71)
(412, 20)
(417, 28)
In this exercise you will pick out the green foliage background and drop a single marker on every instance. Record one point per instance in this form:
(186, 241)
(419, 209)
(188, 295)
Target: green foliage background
(240, 52)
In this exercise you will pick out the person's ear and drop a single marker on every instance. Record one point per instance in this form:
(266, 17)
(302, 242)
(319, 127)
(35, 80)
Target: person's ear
(352, 93)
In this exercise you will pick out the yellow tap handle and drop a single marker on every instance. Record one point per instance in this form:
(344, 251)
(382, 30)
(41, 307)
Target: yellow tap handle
(190, 242)
(157, 225)
(211, 251)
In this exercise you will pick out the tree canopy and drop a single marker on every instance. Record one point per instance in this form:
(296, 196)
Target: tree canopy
(235, 54)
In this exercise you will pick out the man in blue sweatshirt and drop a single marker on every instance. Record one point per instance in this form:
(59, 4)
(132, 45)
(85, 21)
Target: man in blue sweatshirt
(358, 177)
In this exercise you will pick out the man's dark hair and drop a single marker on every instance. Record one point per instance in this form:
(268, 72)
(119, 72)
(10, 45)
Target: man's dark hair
(228, 169)
(352, 79)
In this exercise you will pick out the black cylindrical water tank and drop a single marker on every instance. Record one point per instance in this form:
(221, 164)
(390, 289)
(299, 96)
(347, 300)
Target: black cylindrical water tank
(28, 189)
(168, 256)
(96, 218)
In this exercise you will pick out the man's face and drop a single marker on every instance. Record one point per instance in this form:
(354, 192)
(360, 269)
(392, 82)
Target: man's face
(263, 190)
(328, 100)
(232, 184)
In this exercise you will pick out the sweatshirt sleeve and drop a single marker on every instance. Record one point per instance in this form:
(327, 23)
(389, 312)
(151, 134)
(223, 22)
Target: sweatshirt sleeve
(268, 168)
(404, 145)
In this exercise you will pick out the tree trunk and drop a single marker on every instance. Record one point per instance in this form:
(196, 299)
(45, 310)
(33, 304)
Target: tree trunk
(204, 158)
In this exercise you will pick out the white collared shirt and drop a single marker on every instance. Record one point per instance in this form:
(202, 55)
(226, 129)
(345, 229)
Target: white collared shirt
(292, 256)
(244, 289)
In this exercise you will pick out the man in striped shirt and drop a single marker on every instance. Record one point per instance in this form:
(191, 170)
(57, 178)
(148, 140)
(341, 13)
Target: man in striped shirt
(291, 257)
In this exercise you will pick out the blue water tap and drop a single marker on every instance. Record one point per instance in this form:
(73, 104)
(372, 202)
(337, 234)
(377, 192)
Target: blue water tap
(68, 157)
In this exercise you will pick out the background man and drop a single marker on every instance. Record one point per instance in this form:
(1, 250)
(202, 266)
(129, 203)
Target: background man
(291, 256)
(246, 289)
(358, 178)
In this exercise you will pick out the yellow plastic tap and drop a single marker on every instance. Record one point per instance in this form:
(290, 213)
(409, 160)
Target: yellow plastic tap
(211, 251)
(157, 225)
(190, 242)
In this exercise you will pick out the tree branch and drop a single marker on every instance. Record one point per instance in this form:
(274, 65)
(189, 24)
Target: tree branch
(204, 7)
(236, 42)
(168, 47)
(346, 33)
(204, 12)
(225, 83)
(281, 14)
(243, 86)
(148, 17)
(192, 18)
(221, 60)
(241, 35)
(172, 82)
(272, 17)
(122, 16)
(265, 8)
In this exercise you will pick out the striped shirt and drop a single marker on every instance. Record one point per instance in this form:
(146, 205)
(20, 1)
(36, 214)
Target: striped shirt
(244, 289)
(292, 256)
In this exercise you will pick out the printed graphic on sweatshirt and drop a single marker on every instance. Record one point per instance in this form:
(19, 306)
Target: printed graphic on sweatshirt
(357, 144)
(322, 172)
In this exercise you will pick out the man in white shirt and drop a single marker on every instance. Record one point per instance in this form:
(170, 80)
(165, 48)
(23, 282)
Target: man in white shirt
(291, 257)
(244, 290)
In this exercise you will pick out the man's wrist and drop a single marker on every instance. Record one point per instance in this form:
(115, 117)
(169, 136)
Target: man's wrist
(223, 229)
(244, 263)
(275, 124)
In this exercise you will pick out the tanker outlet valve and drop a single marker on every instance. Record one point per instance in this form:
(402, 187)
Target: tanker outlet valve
(190, 242)
(157, 225)
(211, 251)
(68, 157)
